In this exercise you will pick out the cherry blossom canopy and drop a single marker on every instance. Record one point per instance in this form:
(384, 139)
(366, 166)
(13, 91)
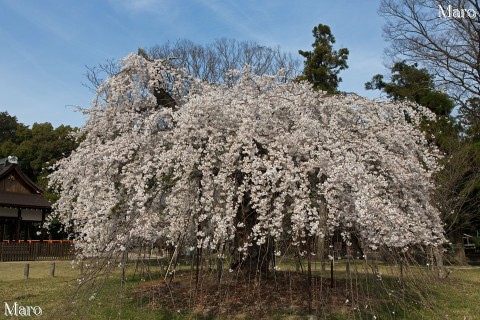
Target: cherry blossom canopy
(307, 163)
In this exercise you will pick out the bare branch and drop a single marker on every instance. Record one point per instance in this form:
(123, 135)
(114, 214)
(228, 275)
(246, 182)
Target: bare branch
(442, 35)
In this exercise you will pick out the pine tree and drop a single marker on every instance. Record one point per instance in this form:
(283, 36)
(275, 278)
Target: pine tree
(413, 84)
(323, 63)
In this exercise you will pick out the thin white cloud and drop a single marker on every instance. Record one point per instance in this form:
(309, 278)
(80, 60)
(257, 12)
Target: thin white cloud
(234, 15)
(145, 4)
(42, 19)
(156, 7)
(26, 54)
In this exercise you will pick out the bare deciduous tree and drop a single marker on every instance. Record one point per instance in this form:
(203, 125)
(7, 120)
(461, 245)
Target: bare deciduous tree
(211, 62)
(96, 75)
(442, 35)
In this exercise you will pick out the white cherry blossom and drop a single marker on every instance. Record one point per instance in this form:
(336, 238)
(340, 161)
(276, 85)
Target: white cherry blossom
(306, 162)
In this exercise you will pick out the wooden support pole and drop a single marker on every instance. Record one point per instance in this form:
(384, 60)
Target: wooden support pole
(309, 277)
(124, 267)
(81, 267)
(26, 270)
(347, 268)
(332, 281)
(219, 269)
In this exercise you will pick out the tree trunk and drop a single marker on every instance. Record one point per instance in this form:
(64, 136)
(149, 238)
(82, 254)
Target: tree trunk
(320, 248)
(258, 257)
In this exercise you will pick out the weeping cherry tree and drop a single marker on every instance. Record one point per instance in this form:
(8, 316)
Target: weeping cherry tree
(165, 158)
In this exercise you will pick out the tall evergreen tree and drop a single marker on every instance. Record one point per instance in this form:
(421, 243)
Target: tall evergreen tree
(323, 63)
(414, 84)
(8, 127)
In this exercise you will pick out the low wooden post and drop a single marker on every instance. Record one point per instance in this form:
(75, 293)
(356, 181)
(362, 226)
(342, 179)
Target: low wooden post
(324, 267)
(52, 270)
(26, 270)
(347, 268)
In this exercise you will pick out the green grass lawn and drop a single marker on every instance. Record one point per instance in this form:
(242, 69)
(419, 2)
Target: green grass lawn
(60, 298)
(457, 297)
(40, 289)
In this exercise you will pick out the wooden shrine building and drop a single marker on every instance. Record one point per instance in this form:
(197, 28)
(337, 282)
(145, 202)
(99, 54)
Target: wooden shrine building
(22, 203)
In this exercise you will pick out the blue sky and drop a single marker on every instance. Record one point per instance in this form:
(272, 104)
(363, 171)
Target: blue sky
(46, 44)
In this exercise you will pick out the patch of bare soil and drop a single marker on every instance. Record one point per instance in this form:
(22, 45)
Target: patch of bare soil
(284, 294)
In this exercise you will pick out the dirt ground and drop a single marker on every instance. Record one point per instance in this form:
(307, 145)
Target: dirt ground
(240, 296)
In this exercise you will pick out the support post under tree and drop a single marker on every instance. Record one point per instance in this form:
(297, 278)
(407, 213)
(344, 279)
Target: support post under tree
(332, 281)
(309, 277)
